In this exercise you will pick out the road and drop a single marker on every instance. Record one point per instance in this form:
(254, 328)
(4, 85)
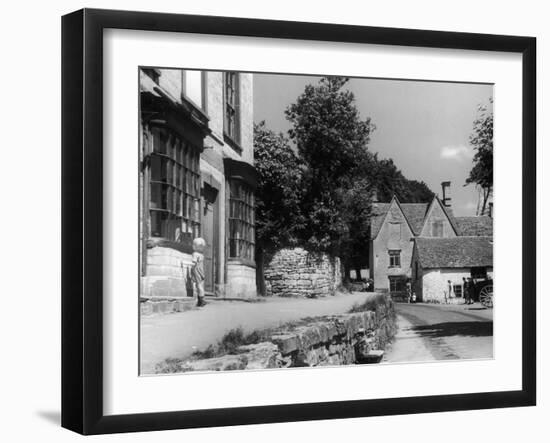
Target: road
(179, 334)
(441, 332)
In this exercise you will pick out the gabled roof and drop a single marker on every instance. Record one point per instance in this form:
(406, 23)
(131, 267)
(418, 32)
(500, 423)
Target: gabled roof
(454, 252)
(476, 226)
(446, 210)
(414, 215)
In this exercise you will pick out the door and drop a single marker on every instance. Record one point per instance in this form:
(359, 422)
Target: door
(210, 233)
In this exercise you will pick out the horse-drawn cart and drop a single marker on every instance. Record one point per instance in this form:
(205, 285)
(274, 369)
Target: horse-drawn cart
(485, 293)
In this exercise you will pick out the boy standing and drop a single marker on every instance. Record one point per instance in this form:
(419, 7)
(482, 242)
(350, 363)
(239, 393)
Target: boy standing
(197, 271)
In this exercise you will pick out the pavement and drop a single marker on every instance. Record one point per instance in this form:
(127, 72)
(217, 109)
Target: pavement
(441, 332)
(179, 334)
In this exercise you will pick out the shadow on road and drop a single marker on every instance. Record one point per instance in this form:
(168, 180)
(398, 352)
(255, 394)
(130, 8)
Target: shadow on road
(466, 329)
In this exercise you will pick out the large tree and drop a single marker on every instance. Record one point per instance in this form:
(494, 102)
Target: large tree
(481, 140)
(331, 139)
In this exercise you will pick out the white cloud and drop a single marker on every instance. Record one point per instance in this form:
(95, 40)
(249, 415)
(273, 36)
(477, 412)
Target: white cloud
(456, 152)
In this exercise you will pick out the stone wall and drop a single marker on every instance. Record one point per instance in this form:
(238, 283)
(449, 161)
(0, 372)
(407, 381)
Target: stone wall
(167, 275)
(297, 272)
(241, 281)
(355, 338)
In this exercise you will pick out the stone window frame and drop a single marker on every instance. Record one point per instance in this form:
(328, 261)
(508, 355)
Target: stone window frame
(204, 90)
(241, 221)
(395, 258)
(174, 186)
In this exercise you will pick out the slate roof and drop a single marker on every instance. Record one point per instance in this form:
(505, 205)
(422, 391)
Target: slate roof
(415, 213)
(480, 226)
(379, 211)
(455, 252)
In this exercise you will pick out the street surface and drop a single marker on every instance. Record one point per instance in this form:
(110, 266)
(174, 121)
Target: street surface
(180, 334)
(441, 332)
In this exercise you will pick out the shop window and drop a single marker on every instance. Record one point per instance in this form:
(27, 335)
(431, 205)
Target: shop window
(241, 221)
(174, 187)
(397, 284)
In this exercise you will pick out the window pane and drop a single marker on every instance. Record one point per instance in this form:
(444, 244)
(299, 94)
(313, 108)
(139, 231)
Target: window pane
(155, 168)
(168, 168)
(159, 221)
(177, 195)
(156, 196)
(159, 137)
(193, 86)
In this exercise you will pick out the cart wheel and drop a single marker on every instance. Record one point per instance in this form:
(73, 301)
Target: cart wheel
(486, 296)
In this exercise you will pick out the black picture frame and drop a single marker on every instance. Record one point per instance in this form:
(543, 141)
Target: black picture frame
(82, 218)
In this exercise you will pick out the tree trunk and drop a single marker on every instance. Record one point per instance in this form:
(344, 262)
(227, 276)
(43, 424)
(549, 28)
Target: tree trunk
(486, 194)
(347, 269)
(260, 280)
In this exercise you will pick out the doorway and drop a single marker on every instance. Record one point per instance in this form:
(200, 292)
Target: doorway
(210, 233)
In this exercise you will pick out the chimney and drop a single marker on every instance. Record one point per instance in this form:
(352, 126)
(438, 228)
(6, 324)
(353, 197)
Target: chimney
(446, 192)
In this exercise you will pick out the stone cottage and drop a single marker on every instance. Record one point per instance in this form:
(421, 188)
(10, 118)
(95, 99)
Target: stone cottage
(439, 266)
(197, 178)
(394, 228)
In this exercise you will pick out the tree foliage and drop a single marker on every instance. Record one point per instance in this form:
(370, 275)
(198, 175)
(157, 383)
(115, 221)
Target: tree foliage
(331, 139)
(391, 181)
(481, 140)
(279, 219)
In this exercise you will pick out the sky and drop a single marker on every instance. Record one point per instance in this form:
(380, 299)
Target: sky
(423, 126)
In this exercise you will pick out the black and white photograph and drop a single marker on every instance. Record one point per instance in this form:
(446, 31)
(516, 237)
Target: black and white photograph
(297, 221)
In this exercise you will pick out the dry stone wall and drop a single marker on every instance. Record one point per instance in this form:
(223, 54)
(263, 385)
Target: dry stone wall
(296, 272)
(346, 339)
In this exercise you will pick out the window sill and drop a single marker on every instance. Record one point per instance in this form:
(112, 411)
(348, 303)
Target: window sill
(232, 143)
(185, 247)
(242, 261)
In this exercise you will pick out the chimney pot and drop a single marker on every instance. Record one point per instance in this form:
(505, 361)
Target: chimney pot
(446, 192)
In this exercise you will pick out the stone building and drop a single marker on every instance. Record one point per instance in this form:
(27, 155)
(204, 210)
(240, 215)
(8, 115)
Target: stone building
(439, 266)
(197, 178)
(395, 227)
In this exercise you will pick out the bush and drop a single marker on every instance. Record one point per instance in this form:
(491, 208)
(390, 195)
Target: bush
(370, 304)
(230, 342)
